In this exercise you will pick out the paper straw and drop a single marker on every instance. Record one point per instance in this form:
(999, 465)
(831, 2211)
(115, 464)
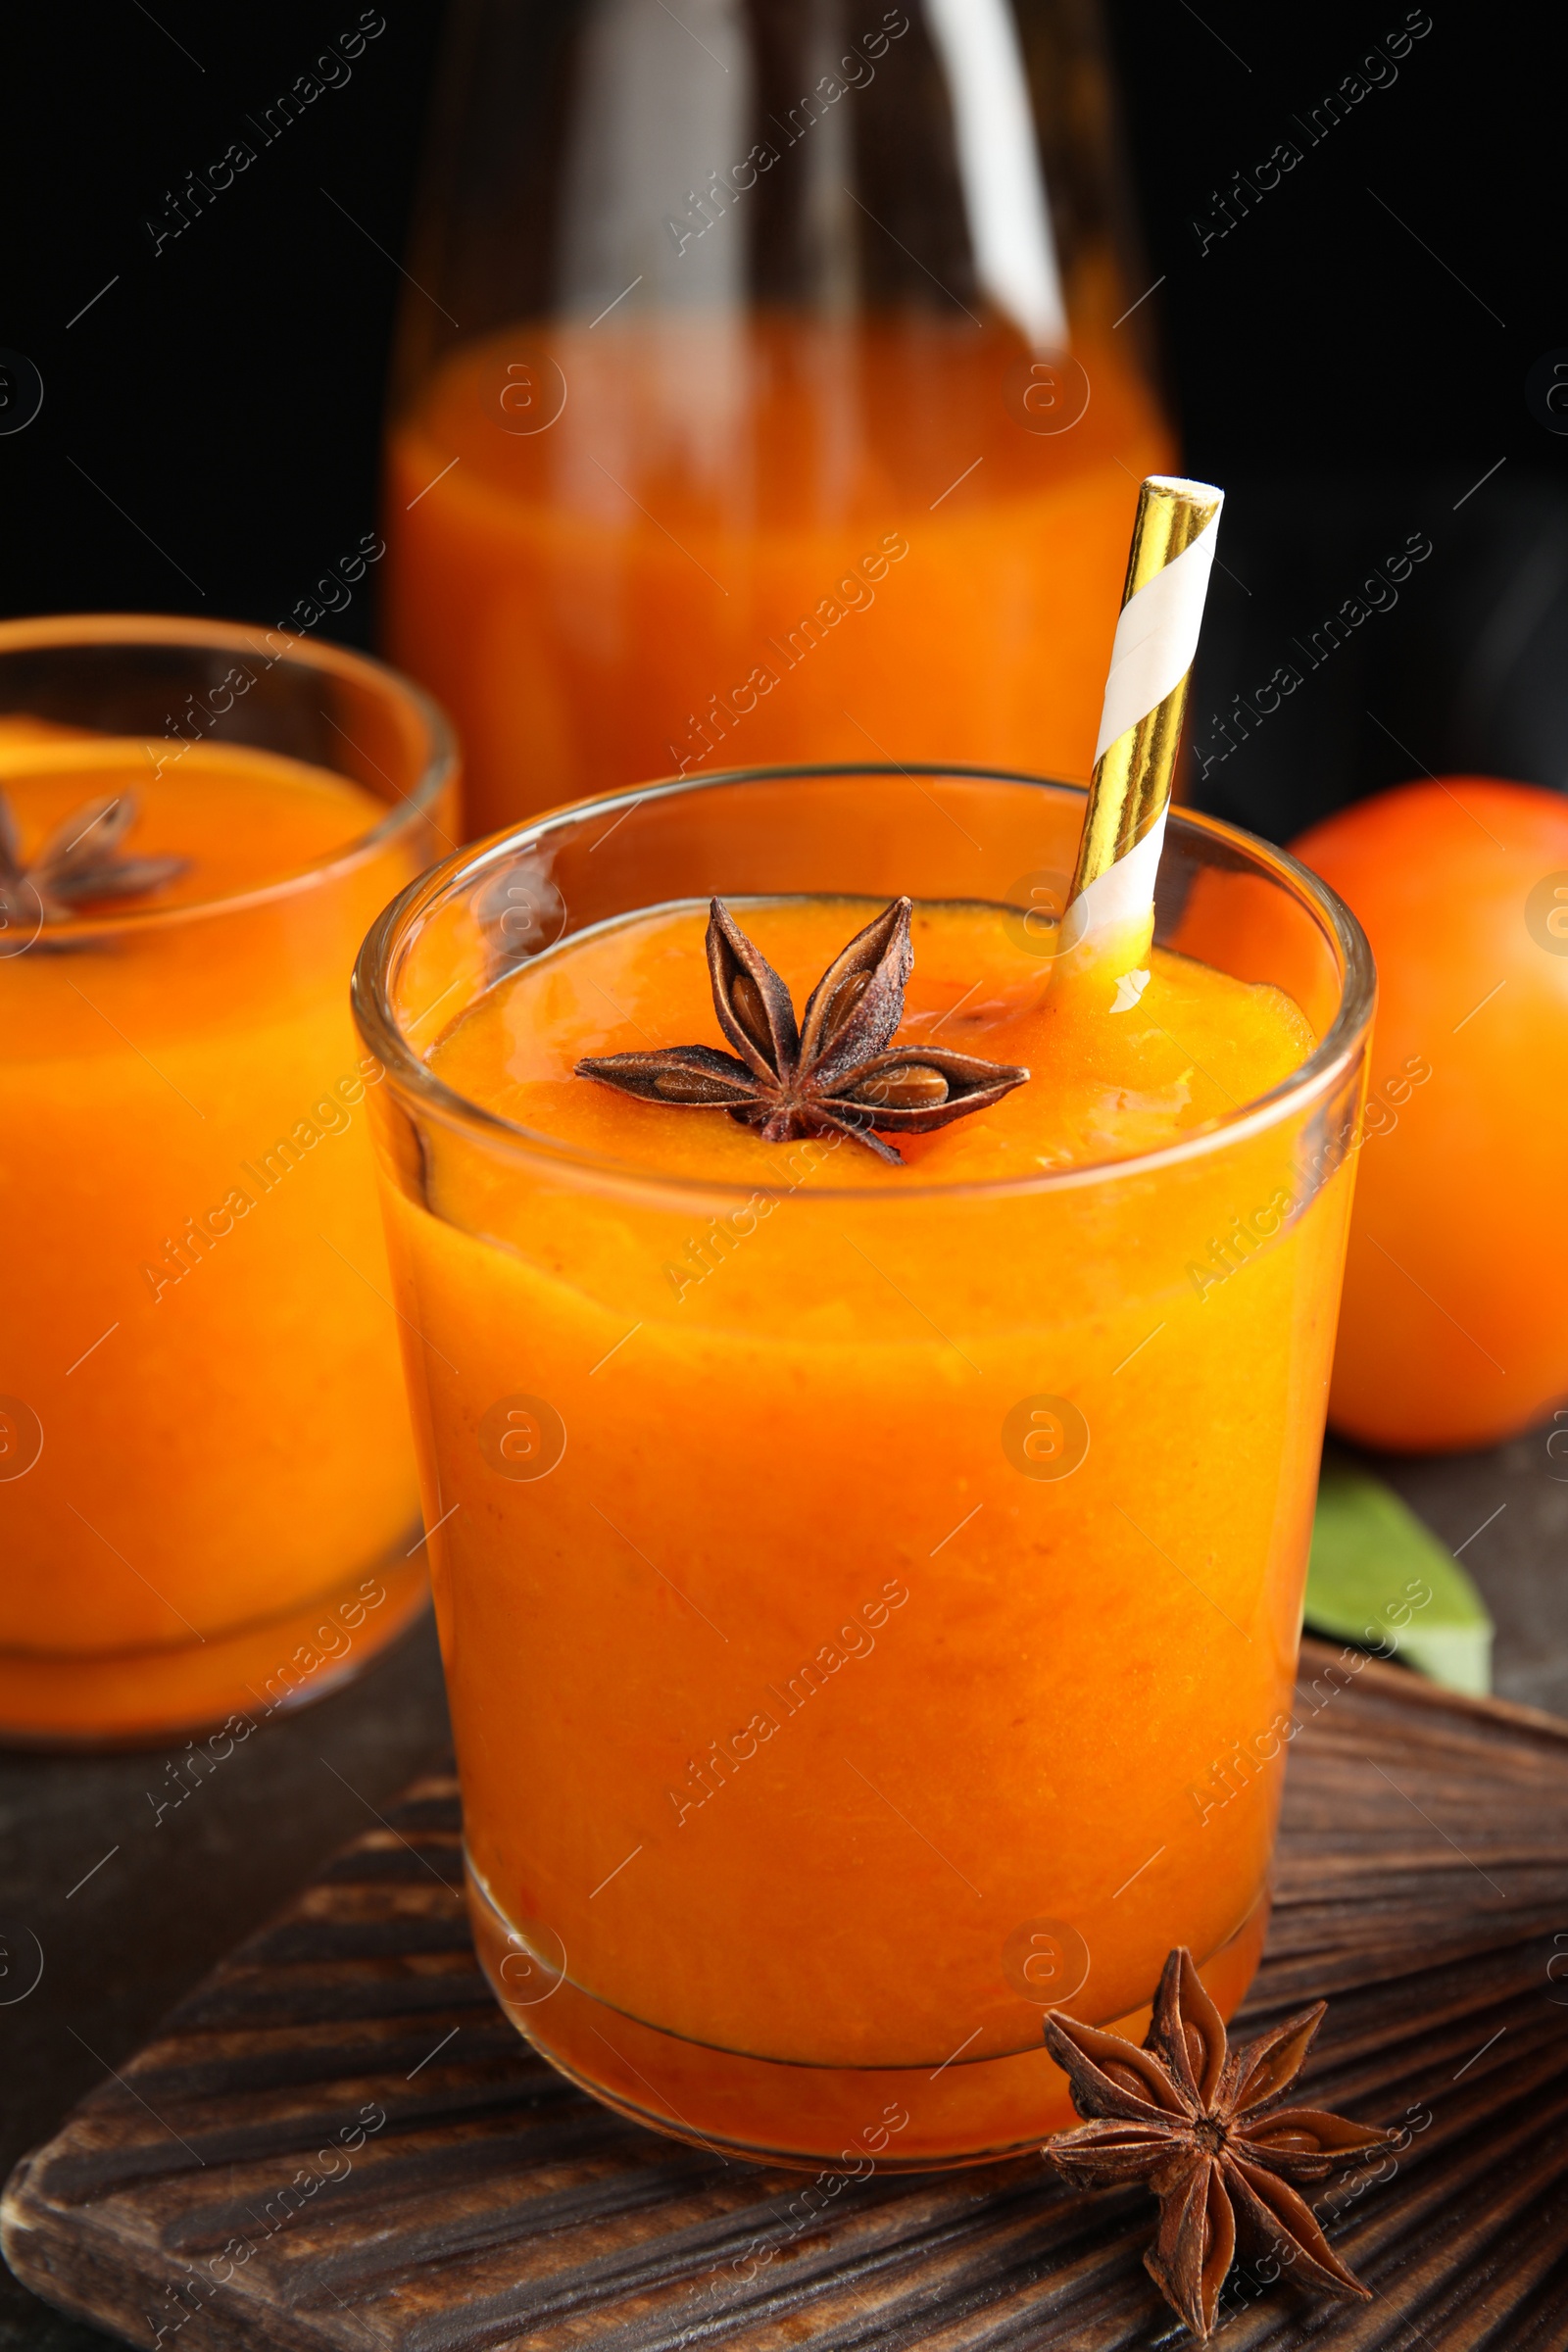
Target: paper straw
(1110, 920)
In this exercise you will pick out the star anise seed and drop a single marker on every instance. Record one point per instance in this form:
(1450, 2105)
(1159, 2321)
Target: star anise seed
(80, 863)
(837, 1070)
(1194, 2121)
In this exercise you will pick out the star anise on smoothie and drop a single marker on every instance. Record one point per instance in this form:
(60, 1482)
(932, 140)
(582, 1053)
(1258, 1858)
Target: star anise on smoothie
(836, 1070)
(1197, 2122)
(80, 863)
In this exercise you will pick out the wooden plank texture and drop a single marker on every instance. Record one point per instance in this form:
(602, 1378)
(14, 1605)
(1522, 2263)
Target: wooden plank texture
(343, 2108)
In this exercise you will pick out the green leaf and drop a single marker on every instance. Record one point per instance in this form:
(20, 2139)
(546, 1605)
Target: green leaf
(1379, 1577)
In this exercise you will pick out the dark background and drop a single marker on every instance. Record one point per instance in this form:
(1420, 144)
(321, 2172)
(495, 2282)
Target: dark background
(1350, 362)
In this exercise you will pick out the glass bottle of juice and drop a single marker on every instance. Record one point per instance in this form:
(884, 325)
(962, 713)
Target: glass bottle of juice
(769, 389)
(869, 1592)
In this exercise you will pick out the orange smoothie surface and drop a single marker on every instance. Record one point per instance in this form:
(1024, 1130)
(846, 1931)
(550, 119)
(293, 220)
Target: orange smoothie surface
(242, 818)
(1104, 1086)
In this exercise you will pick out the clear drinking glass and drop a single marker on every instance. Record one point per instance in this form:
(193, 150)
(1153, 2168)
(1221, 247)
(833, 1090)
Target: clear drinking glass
(774, 384)
(207, 1494)
(885, 1628)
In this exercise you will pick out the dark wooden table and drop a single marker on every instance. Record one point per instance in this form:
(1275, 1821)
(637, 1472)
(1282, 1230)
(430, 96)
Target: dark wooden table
(171, 1899)
(130, 1914)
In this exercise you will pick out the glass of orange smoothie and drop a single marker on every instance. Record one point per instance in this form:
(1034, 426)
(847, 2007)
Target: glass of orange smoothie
(206, 1496)
(769, 387)
(869, 1589)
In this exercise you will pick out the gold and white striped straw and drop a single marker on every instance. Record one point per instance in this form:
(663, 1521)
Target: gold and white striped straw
(1109, 921)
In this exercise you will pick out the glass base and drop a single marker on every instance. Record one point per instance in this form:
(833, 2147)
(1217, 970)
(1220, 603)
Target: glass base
(896, 2119)
(145, 1697)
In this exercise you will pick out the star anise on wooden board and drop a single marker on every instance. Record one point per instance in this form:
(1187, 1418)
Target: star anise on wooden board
(80, 863)
(834, 1069)
(1195, 2120)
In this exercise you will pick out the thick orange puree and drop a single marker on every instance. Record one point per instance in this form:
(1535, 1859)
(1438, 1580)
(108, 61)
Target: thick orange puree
(856, 1588)
(197, 1335)
(1184, 1053)
(242, 818)
(680, 544)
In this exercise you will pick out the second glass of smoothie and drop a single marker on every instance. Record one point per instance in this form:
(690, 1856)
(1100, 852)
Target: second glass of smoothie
(208, 1508)
(858, 1580)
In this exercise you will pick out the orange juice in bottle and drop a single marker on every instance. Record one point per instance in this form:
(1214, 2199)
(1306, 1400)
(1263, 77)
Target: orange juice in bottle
(785, 406)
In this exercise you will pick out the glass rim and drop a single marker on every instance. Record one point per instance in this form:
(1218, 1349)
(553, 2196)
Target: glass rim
(378, 1026)
(66, 631)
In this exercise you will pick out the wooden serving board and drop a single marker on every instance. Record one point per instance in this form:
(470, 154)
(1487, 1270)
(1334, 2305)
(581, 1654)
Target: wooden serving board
(342, 2107)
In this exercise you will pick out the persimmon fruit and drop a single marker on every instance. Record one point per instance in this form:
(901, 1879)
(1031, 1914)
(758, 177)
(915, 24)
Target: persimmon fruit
(1455, 1326)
